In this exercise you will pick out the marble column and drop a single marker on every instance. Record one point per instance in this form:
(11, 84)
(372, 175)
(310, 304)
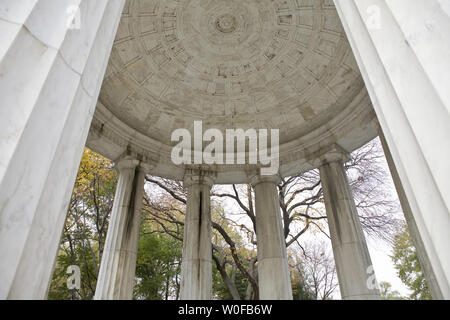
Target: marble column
(402, 48)
(353, 264)
(273, 269)
(196, 267)
(118, 265)
(412, 226)
(51, 71)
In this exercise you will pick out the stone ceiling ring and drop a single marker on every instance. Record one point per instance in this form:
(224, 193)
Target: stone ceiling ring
(226, 23)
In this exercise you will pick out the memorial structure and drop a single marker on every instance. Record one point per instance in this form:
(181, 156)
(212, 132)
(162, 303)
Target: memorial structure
(121, 76)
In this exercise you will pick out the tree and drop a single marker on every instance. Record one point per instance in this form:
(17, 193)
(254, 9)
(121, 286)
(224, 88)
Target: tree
(387, 293)
(165, 208)
(408, 266)
(86, 226)
(158, 266)
(302, 209)
(82, 243)
(317, 271)
(233, 240)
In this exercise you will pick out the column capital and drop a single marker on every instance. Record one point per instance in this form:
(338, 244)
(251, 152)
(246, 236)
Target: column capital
(334, 154)
(131, 160)
(196, 176)
(258, 178)
(126, 163)
(145, 166)
(127, 160)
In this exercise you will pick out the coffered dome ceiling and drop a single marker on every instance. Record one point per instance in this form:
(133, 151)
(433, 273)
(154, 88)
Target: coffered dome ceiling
(232, 64)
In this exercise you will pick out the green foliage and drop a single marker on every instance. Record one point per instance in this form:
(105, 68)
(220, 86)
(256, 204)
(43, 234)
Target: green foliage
(86, 226)
(387, 293)
(408, 267)
(159, 255)
(58, 289)
(158, 266)
(220, 290)
(300, 290)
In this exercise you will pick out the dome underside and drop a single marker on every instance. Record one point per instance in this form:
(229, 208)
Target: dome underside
(267, 64)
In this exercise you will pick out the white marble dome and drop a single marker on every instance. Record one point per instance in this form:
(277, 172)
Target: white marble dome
(267, 64)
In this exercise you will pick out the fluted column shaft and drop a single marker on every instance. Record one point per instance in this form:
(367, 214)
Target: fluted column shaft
(118, 265)
(422, 255)
(196, 268)
(273, 269)
(50, 76)
(402, 49)
(353, 263)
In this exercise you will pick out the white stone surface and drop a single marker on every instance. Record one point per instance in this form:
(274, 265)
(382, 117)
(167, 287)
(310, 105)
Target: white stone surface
(196, 266)
(276, 65)
(405, 66)
(257, 63)
(353, 264)
(422, 255)
(283, 65)
(45, 115)
(273, 270)
(118, 265)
